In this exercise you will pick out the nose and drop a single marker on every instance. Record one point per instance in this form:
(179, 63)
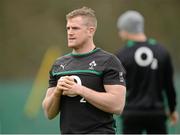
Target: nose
(70, 31)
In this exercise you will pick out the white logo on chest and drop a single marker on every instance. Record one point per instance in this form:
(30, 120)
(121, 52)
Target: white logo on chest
(62, 66)
(92, 65)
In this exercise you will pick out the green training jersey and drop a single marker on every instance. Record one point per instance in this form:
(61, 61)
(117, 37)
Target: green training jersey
(93, 70)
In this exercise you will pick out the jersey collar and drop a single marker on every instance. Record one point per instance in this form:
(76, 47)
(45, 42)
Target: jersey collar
(131, 43)
(85, 54)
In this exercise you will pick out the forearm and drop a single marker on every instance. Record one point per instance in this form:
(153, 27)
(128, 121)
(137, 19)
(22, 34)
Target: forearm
(169, 85)
(51, 105)
(171, 97)
(112, 102)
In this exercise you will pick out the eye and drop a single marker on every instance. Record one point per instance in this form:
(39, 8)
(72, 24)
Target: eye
(67, 28)
(75, 28)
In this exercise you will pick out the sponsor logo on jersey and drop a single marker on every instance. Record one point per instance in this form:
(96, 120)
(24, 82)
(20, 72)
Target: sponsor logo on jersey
(121, 78)
(62, 66)
(144, 57)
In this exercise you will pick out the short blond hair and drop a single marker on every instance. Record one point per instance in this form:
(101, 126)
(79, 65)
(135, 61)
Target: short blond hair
(84, 12)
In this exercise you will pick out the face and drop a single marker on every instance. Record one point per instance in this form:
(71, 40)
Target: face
(78, 33)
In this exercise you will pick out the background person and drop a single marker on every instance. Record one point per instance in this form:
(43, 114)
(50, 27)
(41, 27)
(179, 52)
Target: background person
(149, 76)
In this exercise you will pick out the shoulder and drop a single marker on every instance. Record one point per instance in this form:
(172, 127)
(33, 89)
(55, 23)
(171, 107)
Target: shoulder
(110, 59)
(63, 58)
(124, 50)
(160, 49)
(108, 55)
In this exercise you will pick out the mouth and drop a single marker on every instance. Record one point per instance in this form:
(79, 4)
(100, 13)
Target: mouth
(71, 39)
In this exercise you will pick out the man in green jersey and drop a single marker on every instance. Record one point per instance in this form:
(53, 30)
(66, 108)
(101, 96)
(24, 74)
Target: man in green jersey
(86, 86)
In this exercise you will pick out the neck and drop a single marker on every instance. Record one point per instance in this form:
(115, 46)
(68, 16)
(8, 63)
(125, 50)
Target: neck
(84, 49)
(137, 37)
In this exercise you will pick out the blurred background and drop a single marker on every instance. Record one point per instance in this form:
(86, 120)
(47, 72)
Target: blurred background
(33, 35)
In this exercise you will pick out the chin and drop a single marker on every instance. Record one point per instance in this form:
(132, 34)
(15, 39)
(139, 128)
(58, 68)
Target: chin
(74, 46)
(71, 46)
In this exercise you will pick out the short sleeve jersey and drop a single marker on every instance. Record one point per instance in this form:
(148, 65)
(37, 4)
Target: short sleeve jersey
(93, 70)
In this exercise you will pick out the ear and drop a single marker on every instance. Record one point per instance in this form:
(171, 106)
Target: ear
(123, 34)
(92, 30)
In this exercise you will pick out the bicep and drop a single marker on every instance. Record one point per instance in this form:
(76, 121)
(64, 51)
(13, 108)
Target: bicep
(116, 90)
(117, 97)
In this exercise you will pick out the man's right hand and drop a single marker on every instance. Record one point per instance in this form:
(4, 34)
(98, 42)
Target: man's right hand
(58, 91)
(174, 117)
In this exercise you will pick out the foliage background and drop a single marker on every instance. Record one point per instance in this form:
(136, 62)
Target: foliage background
(29, 27)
